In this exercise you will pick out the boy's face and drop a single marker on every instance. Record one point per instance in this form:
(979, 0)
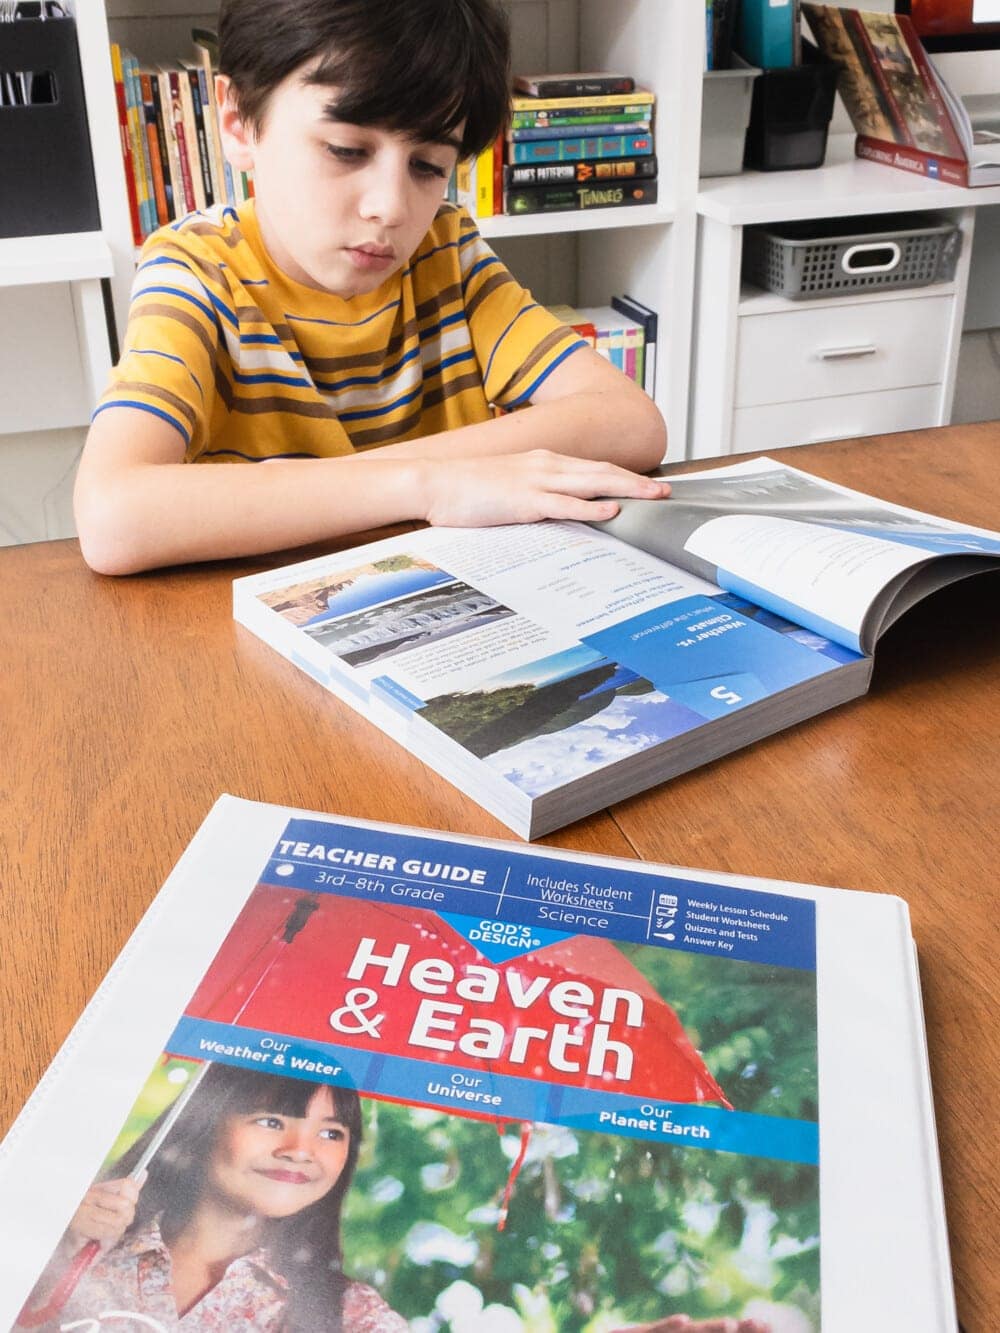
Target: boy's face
(340, 207)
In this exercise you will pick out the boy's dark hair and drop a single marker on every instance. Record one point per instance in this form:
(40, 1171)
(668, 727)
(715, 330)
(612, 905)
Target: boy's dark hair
(421, 67)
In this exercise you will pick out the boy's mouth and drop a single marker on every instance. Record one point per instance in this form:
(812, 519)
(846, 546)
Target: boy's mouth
(371, 257)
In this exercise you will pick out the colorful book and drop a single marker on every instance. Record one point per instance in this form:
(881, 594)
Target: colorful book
(589, 84)
(146, 86)
(903, 111)
(569, 150)
(589, 169)
(172, 129)
(206, 45)
(494, 1087)
(201, 132)
(563, 198)
(187, 140)
(642, 314)
(616, 337)
(597, 129)
(140, 148)
(636, 97)
(528, 120)
(765, 32)
(165, 142)
(751, 600)
(125, 139)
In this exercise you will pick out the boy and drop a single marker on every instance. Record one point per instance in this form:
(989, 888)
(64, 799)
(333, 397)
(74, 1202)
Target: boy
(348, 327)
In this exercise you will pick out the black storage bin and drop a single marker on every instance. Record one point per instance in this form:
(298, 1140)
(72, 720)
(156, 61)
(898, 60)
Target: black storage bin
(46, 168)
(790, 114)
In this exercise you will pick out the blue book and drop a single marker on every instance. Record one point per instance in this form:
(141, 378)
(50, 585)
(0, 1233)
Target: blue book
(765, 33)
(570, 150)
(574, 131)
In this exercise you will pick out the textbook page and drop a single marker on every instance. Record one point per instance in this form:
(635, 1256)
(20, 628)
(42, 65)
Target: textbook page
(541, 654)
(820, 554)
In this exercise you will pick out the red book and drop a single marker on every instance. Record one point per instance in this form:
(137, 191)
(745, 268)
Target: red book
(153, 139)
(126, 144)
(903, 112)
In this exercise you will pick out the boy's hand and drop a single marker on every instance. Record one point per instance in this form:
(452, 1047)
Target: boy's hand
(522, 488)
(106, 1213)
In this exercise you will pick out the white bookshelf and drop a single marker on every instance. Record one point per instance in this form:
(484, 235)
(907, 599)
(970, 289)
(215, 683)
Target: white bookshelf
(579, 259)
(877, 345)
(55, 343)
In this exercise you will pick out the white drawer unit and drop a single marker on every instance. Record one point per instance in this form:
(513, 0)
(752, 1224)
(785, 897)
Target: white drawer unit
(771, 371)
(861, 346)
(808, 422)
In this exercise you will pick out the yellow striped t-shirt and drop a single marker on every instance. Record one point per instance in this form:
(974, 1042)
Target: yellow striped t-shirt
(249, 364)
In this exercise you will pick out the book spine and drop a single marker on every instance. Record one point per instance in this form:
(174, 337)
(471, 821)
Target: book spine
(594, 168)
(524, 120)
(164, 135)
(137, 138)
(484, 183)
(126, 145)
(597, 87)
(568, 150)
(633, 340)
(183, 162)
(765, 33)
(498, 170)
(950, 170)
(563, 198)
(220, 167)
(190, 141)
(640, 97)
(153, 142)
(465, 184)
(201, 138)
(571, 131)
(211, 140)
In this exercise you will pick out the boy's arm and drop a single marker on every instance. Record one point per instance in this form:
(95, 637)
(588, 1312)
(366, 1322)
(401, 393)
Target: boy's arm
(139, 506)
(584, 407)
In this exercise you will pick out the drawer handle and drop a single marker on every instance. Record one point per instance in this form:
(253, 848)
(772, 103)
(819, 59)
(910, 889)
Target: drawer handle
(871, 257)
(842, 353)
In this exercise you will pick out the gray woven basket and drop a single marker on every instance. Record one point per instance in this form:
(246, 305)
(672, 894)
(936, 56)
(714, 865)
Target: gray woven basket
(831, 257)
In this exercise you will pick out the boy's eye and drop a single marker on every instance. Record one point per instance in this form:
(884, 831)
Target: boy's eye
(424, 168)
(345, 154)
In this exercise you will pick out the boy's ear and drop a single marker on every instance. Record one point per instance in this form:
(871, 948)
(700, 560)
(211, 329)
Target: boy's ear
(237, 137)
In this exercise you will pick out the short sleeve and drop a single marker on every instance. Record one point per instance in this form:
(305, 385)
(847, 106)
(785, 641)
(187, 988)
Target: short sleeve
(518, 343)
(173, 343)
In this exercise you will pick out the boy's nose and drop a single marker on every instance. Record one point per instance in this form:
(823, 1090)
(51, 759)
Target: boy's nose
(384, 199)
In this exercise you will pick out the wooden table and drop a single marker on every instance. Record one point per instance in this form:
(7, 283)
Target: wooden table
(127, 706)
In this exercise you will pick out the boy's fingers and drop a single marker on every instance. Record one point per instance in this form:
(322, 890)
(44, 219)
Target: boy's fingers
(578, 507)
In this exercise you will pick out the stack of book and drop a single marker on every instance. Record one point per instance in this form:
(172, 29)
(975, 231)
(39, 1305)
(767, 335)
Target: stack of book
(578, 141)
(171, 146)
(624, 332)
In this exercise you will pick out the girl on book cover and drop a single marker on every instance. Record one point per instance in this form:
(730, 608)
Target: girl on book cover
(236, 1224)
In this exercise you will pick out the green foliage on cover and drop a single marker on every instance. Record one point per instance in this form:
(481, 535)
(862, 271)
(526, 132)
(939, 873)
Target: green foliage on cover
(604, 1231)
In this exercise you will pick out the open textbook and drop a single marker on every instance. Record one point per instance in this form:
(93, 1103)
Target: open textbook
(461, 1085)
(550, 670)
